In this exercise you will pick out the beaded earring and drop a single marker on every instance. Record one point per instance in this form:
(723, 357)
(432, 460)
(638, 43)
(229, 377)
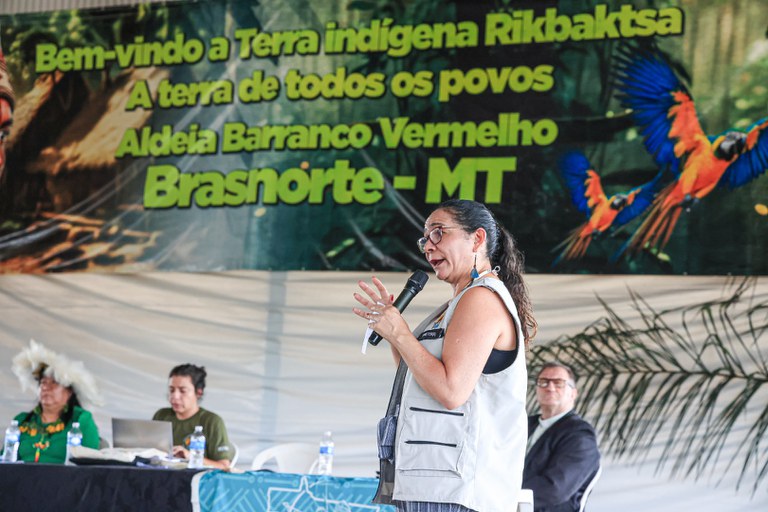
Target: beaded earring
(474, 274)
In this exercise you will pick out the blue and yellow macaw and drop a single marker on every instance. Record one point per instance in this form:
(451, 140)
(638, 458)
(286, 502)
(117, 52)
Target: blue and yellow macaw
(664, 110)
(602, 212)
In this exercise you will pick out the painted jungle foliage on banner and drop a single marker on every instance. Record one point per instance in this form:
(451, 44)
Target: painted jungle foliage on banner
(609, 137)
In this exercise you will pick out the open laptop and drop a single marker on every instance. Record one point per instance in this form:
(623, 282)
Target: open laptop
(132, 433)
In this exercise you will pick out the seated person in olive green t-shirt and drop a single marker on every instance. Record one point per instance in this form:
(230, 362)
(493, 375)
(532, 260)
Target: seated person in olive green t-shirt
(185, 388)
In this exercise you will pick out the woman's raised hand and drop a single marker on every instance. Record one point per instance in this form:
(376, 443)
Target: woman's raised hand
(378, 310)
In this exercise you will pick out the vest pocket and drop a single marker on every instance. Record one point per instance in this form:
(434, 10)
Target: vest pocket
(432, 437)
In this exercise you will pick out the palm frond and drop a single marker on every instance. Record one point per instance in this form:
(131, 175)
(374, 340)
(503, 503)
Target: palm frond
(685, 388)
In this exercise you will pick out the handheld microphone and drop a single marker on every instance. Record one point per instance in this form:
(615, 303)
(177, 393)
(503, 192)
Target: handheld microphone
(414, 285)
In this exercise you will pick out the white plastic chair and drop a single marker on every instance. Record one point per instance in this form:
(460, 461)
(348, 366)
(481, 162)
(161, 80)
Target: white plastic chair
(588, 490)
(525, 500)
(289, 457)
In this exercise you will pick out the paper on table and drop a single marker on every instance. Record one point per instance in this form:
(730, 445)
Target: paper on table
(118, 454)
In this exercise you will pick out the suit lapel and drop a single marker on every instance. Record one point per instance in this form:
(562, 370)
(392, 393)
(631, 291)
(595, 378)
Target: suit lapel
(550, 433)
(533, 422)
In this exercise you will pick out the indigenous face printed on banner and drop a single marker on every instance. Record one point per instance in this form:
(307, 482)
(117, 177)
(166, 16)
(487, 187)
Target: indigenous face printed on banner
(6, 109)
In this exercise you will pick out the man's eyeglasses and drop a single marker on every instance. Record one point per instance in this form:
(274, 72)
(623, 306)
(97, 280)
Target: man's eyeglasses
(433, 236)
(558, 383)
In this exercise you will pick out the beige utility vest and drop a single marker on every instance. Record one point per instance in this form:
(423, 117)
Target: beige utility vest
(472, 455)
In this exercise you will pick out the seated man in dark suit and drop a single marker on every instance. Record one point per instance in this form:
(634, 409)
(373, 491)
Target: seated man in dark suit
(562, 457)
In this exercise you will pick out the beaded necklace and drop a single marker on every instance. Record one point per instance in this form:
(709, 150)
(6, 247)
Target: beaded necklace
(31, 429)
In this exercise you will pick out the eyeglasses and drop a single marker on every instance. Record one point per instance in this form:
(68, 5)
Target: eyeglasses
(558, 383)
(434, 236)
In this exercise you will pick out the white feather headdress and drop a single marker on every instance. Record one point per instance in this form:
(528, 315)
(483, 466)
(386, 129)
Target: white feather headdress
(36, 361)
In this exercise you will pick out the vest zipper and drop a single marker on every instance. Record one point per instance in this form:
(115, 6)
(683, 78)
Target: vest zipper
(450, 445)
(450, 413)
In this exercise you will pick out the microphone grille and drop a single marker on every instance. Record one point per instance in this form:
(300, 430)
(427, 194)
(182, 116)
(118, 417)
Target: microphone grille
(418, 279)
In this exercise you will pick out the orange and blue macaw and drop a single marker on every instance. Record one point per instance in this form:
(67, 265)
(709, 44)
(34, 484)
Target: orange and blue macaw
(664, 110)
(602, 212)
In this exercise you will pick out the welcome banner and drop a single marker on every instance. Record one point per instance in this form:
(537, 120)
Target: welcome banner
(609, 137)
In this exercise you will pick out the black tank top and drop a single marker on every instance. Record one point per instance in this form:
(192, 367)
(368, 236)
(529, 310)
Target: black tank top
(500, 360)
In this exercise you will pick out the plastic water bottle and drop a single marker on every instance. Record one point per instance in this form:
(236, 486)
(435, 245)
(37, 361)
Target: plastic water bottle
(11, 449)
(196, 448)
(325, 457)
(74, 438)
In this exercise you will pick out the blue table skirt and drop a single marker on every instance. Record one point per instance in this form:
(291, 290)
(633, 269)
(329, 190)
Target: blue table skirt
(263, 491)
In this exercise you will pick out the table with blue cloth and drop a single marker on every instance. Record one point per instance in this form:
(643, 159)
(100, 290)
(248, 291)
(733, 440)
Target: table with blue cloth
(264, 491)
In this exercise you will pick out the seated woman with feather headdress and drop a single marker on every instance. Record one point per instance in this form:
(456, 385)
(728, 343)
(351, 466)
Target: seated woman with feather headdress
(62, 387)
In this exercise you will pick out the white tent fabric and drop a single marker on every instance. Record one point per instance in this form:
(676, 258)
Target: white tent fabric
(282, 350)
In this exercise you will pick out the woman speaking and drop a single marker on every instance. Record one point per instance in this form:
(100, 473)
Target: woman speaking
(461, 429)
